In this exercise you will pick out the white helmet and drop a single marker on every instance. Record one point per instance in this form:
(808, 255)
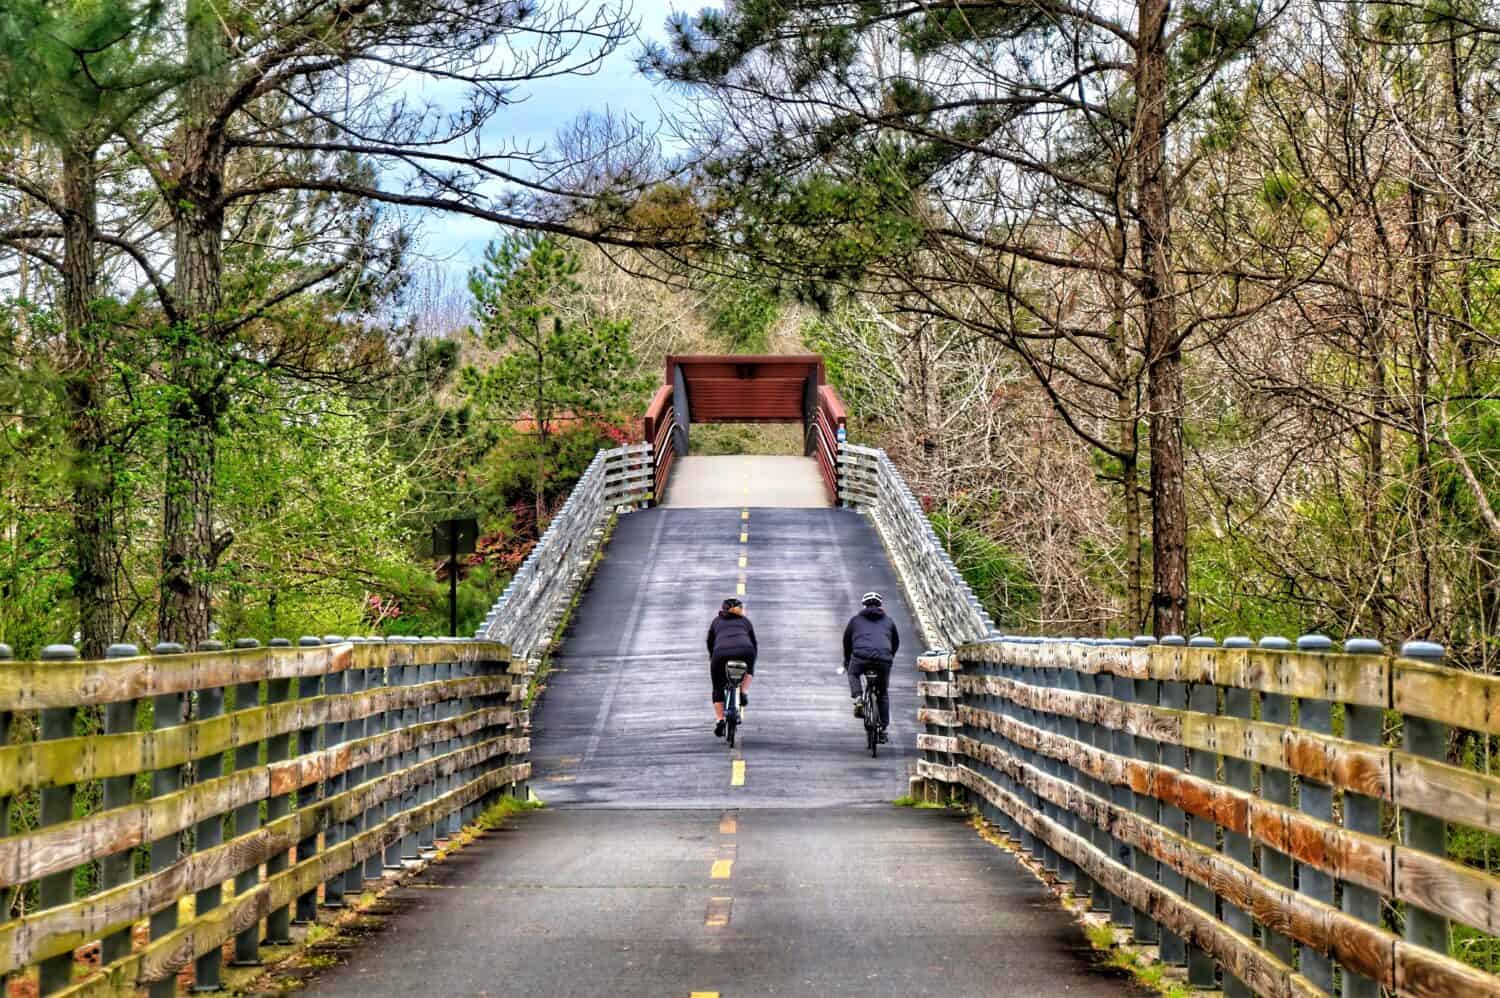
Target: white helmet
(872, 599)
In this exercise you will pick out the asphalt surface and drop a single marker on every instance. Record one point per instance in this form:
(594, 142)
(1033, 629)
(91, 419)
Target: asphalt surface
(667, 864)
(738, 480)
(627, 721)
(884, 903)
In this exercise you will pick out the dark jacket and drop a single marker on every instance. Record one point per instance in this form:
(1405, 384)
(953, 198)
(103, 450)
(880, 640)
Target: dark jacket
(731, 635)
(871, 637)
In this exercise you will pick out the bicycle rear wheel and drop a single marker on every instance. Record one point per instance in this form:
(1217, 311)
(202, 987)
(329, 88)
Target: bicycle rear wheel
(731, 720)
(872, 724)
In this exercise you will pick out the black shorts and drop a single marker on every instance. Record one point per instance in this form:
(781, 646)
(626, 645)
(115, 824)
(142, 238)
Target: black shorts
(720, 674)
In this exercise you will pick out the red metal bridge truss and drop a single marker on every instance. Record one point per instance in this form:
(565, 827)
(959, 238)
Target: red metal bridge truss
(790, 388)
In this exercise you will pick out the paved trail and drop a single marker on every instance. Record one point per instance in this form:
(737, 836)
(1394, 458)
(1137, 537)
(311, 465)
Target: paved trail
(666, 865)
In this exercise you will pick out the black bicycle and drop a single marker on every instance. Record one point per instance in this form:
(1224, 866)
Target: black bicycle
(734, 674)
(874, 730)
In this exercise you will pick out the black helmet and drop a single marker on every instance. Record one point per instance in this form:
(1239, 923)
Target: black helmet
(872, 599)
(732, 602)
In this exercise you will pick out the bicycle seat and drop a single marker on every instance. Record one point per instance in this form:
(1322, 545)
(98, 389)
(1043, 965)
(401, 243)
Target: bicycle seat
(736, 669)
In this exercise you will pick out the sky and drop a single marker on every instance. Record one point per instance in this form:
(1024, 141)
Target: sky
(457, 242)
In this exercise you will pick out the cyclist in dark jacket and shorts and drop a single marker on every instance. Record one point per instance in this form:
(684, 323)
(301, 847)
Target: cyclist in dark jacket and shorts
(870, 644)
(731, 636)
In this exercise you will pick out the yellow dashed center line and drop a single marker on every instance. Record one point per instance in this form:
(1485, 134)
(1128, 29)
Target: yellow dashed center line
(704, 994)
(743, 561)
(727, 825)
(744, 537)
(718, 914)
(721, 869)
(739, 589)
(738, 777)
(744, 514)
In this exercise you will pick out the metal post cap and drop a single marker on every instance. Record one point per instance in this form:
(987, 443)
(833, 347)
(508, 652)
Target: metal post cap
(1314, 642)
(121, 650)
(59, 653)
(1363, 646)
(1427, 651)
(167, 648)
(1274, 643)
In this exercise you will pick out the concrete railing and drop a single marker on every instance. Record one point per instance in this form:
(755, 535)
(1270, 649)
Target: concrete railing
(948, 611)
(1282, 819)
(529, 610)
(252, 784)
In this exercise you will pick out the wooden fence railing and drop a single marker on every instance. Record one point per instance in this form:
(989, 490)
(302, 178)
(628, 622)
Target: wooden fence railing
(1288, 819)
(661, 431)
(221, 795)
(529, 610)
(826, 426)
(948, 611)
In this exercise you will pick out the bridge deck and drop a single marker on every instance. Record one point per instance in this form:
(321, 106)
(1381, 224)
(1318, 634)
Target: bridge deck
(650, 873)
(626, 719)
(721, 481)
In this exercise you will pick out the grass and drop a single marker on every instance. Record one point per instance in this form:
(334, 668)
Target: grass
(920, 805)
(709, 439)
(508, 807)
(1149, 974)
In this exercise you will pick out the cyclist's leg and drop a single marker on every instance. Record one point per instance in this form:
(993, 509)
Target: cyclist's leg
(882, 692)
(856, 669)
(720, 679)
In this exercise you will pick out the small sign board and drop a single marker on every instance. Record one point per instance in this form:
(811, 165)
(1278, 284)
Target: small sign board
(456, 536)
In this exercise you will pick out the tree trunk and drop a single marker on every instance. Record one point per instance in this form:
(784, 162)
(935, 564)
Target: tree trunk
(187, 514)
(188, 552)
(91, 466)
(1374, 485)
(1164, 391)
(1130, 486)
(1420, 251)
(1128, 440)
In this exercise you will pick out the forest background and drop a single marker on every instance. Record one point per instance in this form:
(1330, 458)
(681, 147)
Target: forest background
(1175, 318)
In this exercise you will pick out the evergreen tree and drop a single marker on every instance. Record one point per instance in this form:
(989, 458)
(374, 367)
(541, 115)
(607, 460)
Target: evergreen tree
(72, 75)
(549, 369)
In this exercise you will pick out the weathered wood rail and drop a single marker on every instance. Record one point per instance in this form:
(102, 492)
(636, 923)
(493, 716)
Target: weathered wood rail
(218, 796)
(1276, 817)
(529, 610)
(948, 611)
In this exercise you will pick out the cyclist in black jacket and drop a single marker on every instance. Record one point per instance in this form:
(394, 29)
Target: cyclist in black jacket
(870, 645)
(730, 636)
